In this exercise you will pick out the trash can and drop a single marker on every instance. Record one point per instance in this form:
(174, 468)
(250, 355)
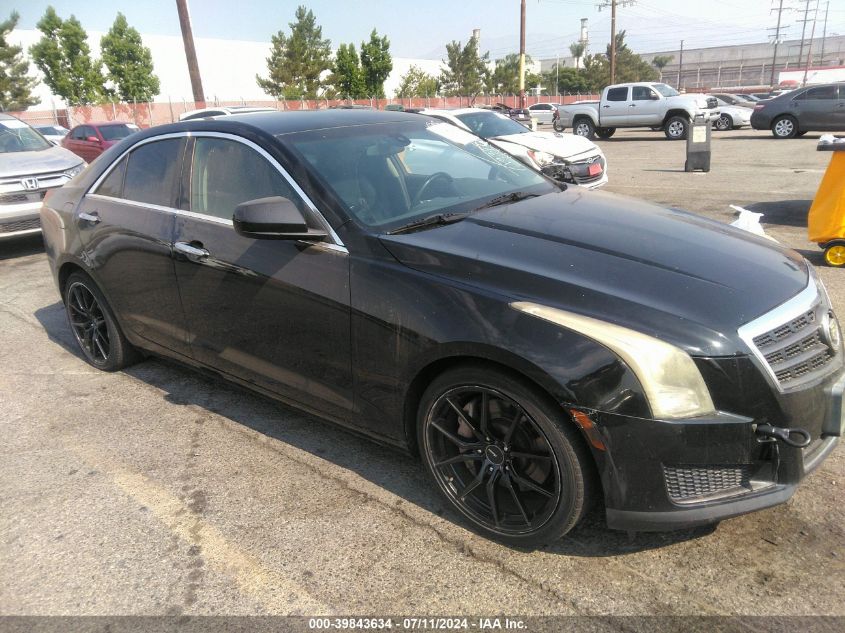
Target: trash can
(698, 144)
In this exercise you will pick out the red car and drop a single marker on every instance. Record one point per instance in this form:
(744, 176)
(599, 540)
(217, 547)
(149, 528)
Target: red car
(92, 139)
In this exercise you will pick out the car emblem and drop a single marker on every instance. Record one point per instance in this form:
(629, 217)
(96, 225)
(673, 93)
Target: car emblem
(30, 184)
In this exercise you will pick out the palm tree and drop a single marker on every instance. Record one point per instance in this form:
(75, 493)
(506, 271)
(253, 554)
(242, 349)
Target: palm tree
(660, 62)
(577, 50)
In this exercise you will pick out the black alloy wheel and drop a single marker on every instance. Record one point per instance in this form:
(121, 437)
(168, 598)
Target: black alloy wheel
(500, 460)
(94, 327)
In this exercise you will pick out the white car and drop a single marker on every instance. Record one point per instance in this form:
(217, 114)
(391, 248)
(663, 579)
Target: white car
(206, 113)
(53, 133)
(563, 157)
(543, 112)
(732, 117)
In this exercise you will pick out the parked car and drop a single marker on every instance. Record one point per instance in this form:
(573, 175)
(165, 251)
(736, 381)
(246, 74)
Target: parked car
(812, 109)
(564, 157)
(651, 105)
(91, 139)
(30, 166)
(543, 112)
(207, 113)
(540, 348)
(53, 133)
(731, 117)
(734, 99)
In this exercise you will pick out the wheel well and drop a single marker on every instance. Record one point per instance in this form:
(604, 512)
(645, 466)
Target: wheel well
(428, 373)
(64, 272)
(582, 117)
(671, 113)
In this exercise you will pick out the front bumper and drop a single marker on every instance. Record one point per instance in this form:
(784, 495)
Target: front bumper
(665, 475)
(18, 220)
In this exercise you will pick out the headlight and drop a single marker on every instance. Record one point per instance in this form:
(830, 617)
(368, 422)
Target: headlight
(73, 171)
(541, 159)
(672, 383)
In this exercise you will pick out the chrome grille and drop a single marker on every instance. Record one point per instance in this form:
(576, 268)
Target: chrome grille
(18, 198)
(797, 351)
(687, 483)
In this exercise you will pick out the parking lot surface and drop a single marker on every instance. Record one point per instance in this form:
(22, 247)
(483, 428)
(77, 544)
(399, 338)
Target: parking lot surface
(158, 490)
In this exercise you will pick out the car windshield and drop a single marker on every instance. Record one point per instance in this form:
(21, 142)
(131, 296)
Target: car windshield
(116, 132)
(392, 174)
(51, 129)
(17, 136)
(490, 124)
(666, 91)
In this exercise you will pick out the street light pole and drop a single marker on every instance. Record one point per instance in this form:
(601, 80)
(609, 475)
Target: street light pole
(522, 54)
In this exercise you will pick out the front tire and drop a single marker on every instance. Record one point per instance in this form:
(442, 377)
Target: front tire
(503, 455)
(724, 122)
(93, 325)
(834, 254)
(785, 127)
(584, 127)
(676, 128)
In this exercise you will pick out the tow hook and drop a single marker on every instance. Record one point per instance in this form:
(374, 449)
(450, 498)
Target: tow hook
(785, 435)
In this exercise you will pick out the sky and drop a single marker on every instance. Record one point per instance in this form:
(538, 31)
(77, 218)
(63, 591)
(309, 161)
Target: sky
(421, 29)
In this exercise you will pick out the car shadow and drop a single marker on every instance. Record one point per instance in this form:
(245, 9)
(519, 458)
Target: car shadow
(782, 212)
(384, 466)
(21, 246)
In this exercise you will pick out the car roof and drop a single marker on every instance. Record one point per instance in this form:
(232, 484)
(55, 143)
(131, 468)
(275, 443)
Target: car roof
(304, 120)
(456, 111)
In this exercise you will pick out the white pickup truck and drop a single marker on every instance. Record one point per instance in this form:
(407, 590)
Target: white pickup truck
(647, 104)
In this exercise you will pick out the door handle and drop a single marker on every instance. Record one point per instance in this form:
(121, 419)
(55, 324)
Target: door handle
(632, 105)
(93, 218)
(605, 106)
(194, 253)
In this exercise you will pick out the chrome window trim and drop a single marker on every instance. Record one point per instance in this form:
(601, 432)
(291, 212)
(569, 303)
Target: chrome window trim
(800, 304)
(200, 216)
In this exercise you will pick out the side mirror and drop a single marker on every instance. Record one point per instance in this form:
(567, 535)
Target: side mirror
(273, 218)
(92, 139)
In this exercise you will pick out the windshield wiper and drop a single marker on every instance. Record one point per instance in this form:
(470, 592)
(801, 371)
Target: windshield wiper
(507, 198)
(438, 219)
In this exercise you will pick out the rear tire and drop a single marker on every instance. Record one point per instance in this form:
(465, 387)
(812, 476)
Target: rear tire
(94, 326)
(676, 128)
(605, 132)
(584, 127)
(504, 456)
(784, 127)
(834, 254)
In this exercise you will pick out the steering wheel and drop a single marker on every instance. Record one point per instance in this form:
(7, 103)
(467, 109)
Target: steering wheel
(438, 175)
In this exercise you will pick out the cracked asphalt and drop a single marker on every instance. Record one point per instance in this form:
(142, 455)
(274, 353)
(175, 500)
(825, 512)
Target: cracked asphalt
(159, 491)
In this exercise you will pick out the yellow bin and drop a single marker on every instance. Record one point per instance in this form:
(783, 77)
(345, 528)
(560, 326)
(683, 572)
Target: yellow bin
(826, 220)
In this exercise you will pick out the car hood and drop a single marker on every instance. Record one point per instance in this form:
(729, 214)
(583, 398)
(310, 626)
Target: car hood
(43, 161)
(664, 272)
(563, 145)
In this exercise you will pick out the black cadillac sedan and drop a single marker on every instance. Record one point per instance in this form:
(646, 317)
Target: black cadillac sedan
(542, 349)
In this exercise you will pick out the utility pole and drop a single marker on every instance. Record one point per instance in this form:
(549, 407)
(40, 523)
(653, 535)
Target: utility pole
(190, 52)
(612, 4)
(777, 41)
(522, 54)
(810, 48)
(803, 29)
(680, 64)
(824, 33)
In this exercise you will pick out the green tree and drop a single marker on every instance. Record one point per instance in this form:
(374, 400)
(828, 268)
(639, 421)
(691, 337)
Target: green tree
(505, 76)
(568, 80)
(15, 84)
(129, 62)
(298, 60)
(64, 57)
(376, 64)
(466, 71)
(577, 50)
(416, 83)
(347, 78)
(629, 66)
(660, 62)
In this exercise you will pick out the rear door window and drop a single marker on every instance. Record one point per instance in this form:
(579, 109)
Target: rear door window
(617, 94)
(112, 186)
(152, 172)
